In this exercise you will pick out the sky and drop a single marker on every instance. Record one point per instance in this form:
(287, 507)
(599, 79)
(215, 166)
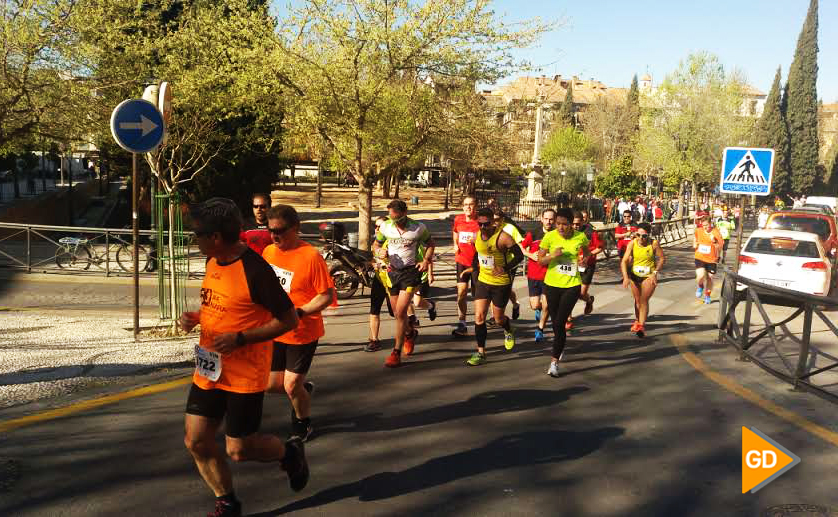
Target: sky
(611, 40)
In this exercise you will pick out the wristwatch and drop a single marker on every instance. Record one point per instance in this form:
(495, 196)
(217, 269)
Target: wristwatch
(300, 312)
(240, 339)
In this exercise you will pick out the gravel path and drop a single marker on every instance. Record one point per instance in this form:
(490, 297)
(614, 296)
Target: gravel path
(49, 355)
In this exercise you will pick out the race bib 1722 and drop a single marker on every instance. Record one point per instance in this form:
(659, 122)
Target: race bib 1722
(207, 363)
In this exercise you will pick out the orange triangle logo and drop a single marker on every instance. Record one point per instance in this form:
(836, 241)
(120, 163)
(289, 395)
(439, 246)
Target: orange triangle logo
(763, 460)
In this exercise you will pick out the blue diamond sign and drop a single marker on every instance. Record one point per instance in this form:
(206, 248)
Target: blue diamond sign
(137, 126)
(747, 171)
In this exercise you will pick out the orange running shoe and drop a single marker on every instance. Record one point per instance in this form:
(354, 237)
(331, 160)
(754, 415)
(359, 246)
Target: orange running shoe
(634, 326)
(568, 325)
(640, 331)
(410, 342)
(394, 360)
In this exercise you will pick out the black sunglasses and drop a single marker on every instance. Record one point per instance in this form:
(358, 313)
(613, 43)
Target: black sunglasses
(484, 225)
(260, 206)
(279, 231)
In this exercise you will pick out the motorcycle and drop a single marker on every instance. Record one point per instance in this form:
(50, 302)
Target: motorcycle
(354, 267)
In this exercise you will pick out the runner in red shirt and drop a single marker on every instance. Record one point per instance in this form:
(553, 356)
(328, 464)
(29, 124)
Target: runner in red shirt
(536, 272)
(256, 234)
(624, 233)
(464, 230)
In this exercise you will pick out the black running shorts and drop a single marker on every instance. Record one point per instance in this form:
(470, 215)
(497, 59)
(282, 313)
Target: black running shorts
(468, 278)
(293, 358)
(407, 279)
(243, 411)
(710, 267)
(498, 294)
(588, 275)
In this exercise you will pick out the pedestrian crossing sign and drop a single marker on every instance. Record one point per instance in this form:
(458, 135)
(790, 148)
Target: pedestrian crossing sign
(747, 171)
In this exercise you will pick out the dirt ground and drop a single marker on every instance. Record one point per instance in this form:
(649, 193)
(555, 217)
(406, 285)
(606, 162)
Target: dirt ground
(341, 198)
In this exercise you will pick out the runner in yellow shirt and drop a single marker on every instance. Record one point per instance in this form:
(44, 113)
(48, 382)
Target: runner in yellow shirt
(641, 264)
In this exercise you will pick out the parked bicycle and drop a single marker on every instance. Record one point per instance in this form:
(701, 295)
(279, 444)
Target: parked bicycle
(79, 253)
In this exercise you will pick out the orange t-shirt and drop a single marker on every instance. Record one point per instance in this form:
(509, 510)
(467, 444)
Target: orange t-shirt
(708, 250)
(303, 274)
(238, 296)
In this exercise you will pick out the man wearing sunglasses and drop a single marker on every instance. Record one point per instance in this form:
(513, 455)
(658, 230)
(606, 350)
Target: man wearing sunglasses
(640, 266)
(496, 259)
(243, 308)
(402, 236)
(624, 232)
(256, 234)
(304, 276)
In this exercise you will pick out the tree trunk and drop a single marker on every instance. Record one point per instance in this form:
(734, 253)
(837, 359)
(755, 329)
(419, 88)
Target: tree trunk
(385, 186)
(694, 197)
(397, 179)
(364, 212)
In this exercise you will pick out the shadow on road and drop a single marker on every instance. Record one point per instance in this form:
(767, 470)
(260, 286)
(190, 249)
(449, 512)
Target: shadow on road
(489, 403)
(523, 449)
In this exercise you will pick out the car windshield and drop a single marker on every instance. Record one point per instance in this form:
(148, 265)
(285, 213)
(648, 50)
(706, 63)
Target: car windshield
(782, 246)
(801, 224)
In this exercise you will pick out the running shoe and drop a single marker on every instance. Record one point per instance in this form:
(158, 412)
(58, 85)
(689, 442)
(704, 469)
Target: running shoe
(553, 371)
(432, 310)
(589, 305)
(568, 325)
(634, 326)
(225, 509)
(393, 360)
(509, 338)
(410, 342)
(640, 330)
(537, 315)
(707, 300)
(516, 311)
(296, 465)
(539, 335)
(699, 292)
(373, 346)
(413, 320)
(300, 430)
(476, 359)
(461, 330)
(491, 323)
(309, 387)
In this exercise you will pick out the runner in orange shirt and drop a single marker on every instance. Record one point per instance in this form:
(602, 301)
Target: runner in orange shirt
(303, 274)
(242, 309)
(707, 243)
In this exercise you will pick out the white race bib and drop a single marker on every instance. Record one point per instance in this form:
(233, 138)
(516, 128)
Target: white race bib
(566, 268)
(642, 270)
(486, 261)
(704, 249)
(466, 237)
(207, 363)
(285, 277)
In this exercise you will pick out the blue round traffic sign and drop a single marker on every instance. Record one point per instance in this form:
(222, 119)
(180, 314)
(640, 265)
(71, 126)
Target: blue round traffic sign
(137, 126)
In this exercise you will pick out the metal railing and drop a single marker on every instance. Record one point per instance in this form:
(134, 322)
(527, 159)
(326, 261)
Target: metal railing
(669, 232)
(37, 249)
(771, 344)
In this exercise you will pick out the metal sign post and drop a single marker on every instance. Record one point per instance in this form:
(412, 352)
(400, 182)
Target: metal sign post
(746, 171)
(138, 127)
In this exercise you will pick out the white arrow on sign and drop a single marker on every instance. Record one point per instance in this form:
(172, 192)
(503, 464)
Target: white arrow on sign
(146, 125)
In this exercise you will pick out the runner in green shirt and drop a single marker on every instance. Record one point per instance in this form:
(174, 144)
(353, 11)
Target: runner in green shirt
(726, 225)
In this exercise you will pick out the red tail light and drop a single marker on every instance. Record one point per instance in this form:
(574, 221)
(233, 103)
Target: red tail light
(815, 266)
(746, 259)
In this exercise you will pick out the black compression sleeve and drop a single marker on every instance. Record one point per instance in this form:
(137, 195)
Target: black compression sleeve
(264, 286)
(519, 257)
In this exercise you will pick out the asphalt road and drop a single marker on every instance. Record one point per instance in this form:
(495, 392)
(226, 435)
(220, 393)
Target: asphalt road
(631, 428)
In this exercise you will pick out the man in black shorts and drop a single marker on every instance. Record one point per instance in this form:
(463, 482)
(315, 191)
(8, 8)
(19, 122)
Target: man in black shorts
(243, 308)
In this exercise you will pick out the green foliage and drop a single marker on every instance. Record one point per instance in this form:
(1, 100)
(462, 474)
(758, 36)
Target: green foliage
(619, 181)
(802, 106)
(565, 112)
(633, 103)
(772, 132)
(689, 120)
(566, 143)
(576, 175)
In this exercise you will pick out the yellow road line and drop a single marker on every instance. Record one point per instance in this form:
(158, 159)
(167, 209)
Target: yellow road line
(16, 423)
(680, 342)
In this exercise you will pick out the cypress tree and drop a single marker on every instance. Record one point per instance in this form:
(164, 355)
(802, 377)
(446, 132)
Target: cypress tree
(565, 113)
(633, 103)
(802, 106)
(771, 131)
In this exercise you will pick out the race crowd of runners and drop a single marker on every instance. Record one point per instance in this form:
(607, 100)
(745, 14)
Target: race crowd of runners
(265, 289)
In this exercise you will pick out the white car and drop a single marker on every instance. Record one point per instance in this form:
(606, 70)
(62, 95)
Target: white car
(787, 259)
